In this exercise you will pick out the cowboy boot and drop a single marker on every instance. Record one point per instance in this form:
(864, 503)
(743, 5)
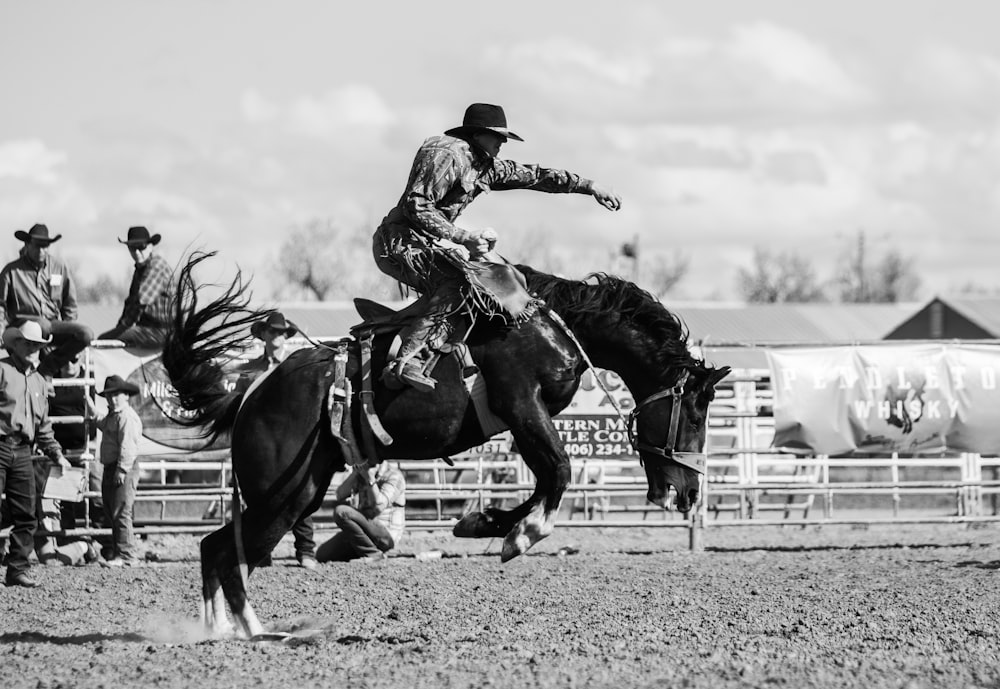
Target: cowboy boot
(409, 366)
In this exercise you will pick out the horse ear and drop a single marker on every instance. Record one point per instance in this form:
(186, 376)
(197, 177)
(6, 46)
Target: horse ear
(707, 385)
(717, 375)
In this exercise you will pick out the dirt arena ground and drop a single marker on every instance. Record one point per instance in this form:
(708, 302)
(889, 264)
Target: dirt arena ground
(887, 606)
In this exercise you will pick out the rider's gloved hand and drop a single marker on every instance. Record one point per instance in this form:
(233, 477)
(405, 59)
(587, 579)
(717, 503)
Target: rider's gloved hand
(476, 243)
(490, 237)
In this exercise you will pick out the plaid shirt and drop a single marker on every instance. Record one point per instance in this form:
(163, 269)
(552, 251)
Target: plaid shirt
(447, 175)
(383, 502)
(150, 294)
(37, 290)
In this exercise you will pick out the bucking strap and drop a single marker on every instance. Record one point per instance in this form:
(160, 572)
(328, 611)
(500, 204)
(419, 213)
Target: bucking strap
(371, 425)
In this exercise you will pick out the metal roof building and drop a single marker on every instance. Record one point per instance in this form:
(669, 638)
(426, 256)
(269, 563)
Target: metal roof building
(945, 318)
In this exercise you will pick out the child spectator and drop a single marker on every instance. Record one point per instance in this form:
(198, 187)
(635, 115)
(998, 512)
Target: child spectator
(121, 431)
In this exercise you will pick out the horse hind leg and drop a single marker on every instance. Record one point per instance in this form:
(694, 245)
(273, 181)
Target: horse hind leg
(213, 602)
(538, 524)
(222, 583)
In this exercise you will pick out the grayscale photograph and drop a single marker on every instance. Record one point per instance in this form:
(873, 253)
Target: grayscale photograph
(304, 385)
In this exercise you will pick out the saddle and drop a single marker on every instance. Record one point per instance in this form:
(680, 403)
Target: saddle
(496, 289)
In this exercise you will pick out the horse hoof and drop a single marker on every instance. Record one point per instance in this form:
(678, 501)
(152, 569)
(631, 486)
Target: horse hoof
(477, 525)
(514, 546)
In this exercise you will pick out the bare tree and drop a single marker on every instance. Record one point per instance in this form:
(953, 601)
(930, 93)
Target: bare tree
(661, 273)
(785, 277)
(531, 247)
(324, 261)
(891, 279)
(102, 289)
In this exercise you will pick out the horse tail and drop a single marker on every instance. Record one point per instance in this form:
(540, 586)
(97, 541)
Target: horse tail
(198, 343)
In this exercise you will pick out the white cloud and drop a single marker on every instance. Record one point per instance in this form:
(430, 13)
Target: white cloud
(341, 113)
(792, 58)
(570, 60)
(31, 160)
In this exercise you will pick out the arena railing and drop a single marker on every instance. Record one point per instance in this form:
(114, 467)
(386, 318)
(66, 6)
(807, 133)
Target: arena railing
(747, 481)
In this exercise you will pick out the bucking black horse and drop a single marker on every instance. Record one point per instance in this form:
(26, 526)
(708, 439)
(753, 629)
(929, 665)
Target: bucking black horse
(284, 452)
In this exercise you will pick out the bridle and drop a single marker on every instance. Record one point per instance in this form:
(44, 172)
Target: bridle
(691, 460)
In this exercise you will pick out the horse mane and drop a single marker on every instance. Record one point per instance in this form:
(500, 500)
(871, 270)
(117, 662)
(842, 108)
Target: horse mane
(614, 303)
(199, 339)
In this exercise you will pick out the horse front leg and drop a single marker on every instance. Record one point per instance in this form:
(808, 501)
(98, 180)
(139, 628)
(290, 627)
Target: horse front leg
(535, 518)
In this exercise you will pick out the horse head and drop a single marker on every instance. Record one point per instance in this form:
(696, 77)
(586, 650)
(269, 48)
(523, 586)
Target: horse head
(668, 429)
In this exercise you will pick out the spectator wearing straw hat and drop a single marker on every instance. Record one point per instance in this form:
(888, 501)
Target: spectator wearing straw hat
(121, 431)
(274, 331)
(24, 425)
(39, 285)
(145, 317)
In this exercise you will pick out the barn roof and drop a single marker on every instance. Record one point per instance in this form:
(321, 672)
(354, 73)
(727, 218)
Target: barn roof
(983, 311)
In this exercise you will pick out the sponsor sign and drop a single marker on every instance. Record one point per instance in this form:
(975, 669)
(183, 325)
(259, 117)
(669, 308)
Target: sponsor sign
(590, 426)
(892, 398)
(157, 403)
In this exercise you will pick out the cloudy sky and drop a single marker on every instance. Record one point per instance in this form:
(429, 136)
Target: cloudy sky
(724, 124)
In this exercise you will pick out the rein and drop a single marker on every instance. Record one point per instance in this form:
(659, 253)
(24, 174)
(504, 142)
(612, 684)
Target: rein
(691, 460)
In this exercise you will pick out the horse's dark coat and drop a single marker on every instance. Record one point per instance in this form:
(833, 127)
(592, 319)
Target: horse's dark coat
(284, 455)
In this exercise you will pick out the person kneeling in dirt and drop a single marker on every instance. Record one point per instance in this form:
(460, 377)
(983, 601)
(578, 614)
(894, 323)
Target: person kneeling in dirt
(374, 523)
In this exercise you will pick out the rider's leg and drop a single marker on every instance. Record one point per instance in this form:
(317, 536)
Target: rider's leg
(422, 337)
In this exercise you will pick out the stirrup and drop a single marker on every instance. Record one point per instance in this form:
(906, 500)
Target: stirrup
(412, 373)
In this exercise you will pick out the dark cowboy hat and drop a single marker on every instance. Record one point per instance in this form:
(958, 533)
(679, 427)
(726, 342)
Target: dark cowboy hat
(115, 384)
(484, 117)
(139, 236)
(29, 329)
(274, 321)
(38, 233)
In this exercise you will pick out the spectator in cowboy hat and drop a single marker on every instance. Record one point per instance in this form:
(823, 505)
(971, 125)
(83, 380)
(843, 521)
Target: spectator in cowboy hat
(419, 244)
(145, 318)
(121, 432)
(274, 331)
(38, 285)
(24, 425)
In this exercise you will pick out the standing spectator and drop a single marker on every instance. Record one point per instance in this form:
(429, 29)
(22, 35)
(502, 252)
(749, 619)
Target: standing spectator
(121, 431)
(39, 285)
(375, 524)
(145, 318)
(274, 332)
(24, 423)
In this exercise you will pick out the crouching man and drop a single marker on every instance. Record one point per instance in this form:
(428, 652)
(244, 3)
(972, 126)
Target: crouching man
(371, 514)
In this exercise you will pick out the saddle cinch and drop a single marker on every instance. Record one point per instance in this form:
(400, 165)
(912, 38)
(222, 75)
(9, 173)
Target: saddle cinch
(495, 289)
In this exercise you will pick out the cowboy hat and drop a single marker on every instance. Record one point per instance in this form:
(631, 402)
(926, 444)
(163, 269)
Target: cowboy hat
(484, 117)
(28, 330)
(274, 321)
(115, 384)
(38, 233)
(139, 236)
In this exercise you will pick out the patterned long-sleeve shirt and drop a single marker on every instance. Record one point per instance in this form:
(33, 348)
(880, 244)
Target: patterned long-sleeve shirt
(27, 288)
(448, 174)
(24, 407)
(149, 295)
(121, 432)
(383, 502)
